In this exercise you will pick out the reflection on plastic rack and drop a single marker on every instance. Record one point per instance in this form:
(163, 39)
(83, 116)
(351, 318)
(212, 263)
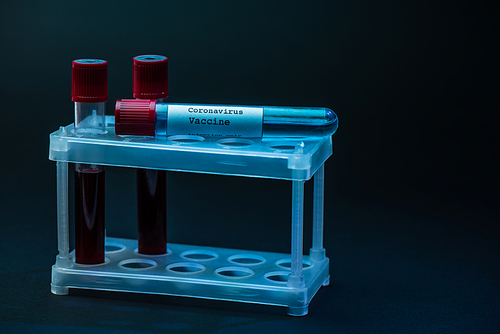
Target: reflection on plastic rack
(186, 267)
(234, 272)
(277, 276)
(185, 138)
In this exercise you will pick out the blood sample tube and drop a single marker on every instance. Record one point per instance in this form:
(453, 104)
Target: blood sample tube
(89, 214)
(150, 81)
(90, 93)
(150, 118)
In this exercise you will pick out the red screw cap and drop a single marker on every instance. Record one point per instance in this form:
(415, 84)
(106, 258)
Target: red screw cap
(135, 117)
(89, 80)
(150, 77)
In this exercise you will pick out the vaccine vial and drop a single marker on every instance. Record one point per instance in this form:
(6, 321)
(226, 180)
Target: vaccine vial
(150, 81)
(89, 93)
(150, 118)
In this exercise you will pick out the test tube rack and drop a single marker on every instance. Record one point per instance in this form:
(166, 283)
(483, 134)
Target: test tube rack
(260, 277)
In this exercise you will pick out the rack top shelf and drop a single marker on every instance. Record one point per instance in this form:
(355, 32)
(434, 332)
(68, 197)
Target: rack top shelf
(279, 158)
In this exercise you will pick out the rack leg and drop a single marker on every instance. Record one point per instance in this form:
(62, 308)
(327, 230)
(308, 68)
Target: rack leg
(296, 279)
(317, 252)
(63, 259)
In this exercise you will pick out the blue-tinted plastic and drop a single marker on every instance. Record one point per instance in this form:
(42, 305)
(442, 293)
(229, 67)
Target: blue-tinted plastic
(260, 277)
(287, 158)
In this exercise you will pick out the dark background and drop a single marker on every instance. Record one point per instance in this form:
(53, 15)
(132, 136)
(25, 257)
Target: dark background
(411, 221)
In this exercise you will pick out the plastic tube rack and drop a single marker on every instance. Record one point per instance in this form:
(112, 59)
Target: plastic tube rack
(260, 277)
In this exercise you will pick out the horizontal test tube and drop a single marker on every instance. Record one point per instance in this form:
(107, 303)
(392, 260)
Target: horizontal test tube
(149, 118)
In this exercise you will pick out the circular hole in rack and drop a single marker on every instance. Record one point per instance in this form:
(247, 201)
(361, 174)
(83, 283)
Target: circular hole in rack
(282, 147)
(185, 267)
(167, 253)
(112, 247)
(235, 142)
(246, 259)
(137, 264)
(234, 272)
(185, 138)
(287, 264)
(199, 255)
(277, 276)
(106, 261)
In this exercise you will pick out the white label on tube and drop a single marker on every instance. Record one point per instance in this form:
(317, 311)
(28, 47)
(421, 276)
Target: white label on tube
(214, 121)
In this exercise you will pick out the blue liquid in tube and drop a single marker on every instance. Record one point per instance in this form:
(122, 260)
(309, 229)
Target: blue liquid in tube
(143, 117)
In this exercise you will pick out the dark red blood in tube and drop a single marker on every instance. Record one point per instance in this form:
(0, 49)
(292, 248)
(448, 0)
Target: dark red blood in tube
(89, 214)
(152, 211)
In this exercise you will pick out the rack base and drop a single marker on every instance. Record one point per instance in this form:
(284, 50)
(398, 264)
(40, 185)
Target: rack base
(196, 271)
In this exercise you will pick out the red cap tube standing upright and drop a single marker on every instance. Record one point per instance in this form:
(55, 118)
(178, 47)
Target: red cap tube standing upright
(150, 81)
(150, 77)
(90, 93)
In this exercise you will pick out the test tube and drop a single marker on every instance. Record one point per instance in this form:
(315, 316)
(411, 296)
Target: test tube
(89, 214)
(150, 118)
(150, 81)
(90, 93)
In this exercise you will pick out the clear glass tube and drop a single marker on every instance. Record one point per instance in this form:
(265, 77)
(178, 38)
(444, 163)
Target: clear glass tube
(265, 121)
(299, 121)
(90, 118)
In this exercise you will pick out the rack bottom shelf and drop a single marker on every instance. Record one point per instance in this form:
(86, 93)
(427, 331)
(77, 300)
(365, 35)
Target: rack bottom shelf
(196, 271)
